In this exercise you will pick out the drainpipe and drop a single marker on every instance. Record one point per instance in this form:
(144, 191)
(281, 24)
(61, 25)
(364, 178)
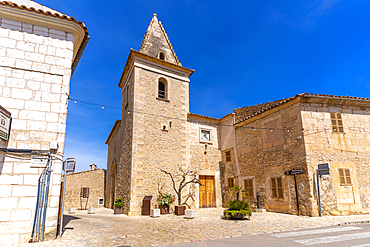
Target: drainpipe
(46, 198)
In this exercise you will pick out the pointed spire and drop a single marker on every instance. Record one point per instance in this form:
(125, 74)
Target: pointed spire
(156, 43)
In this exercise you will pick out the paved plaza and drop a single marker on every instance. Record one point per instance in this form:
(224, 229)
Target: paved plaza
(106, 229)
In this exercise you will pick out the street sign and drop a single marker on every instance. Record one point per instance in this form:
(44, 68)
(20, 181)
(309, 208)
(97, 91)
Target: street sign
(39, 161)
(324, 169)
(5, 123)
(69, 165)
(294, 172)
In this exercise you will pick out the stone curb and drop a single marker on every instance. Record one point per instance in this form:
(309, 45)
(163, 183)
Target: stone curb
(354, 222)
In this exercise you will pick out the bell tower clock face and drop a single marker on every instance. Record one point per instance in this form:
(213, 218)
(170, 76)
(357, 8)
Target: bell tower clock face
(205, 135)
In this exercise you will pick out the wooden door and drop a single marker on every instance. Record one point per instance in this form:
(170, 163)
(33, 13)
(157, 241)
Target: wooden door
(207, 191)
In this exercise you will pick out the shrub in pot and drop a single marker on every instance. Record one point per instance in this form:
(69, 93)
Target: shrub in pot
(164, 205)
(238, 210)
(118, 206)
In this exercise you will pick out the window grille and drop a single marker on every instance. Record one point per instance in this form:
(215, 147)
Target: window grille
(84, 192)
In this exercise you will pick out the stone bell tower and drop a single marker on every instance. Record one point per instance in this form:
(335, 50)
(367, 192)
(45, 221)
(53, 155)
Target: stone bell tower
(153, 129)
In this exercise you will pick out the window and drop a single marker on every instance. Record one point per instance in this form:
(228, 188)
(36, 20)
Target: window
(277, 188)
(336, 122)
(101, 201)
(228, 156)
(205, 135)
(344, 177)
(126, 98)
(248, 186)
(161, 56)
(162, 88)
(231, 182)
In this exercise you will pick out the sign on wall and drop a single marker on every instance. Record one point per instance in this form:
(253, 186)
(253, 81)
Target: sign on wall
(5, 123)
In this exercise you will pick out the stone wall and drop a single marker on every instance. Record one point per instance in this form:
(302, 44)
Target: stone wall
(350, 149)
(205, 158)
(114, 151)
(35, 70)
(266, 149)
(92, 179)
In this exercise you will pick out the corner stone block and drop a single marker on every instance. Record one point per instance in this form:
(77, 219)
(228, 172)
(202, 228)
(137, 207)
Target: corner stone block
(8, 203)
(5, 191)
(11, 179)
(21, 215)
(5, 215)
(24, 191)
(27, 202)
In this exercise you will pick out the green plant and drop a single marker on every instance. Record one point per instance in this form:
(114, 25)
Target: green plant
(236, 207)
(118, 203)
(166, 200)
(236, 190)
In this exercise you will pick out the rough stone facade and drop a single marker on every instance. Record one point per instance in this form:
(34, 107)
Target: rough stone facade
(94, 180)
(347, 150)
(298, 134)
(35, 71)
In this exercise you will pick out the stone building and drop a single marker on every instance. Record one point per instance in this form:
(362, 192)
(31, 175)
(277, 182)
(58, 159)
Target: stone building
(85, 189)
(158, 132)
(253, 147)
(302, 132)
(39, 49)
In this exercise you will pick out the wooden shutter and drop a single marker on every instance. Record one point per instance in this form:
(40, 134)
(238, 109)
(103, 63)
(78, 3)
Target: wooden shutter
(273, 187)
(344, 177)
(280, 188)
(231, 182)
(228, 156)
(248, 186)
(277, 188)
(336, 122)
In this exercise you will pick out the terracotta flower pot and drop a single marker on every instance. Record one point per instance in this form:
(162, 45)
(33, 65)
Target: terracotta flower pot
(118, 210)
(180, 210)
(165, 209)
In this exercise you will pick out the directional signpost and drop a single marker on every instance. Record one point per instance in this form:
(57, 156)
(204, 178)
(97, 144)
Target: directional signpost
(322, 169)
(295, 172)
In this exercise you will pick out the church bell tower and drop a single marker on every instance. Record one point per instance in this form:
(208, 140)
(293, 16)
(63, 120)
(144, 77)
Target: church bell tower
(155, 104)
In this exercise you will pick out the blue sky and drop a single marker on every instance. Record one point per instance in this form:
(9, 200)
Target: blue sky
(243, 53)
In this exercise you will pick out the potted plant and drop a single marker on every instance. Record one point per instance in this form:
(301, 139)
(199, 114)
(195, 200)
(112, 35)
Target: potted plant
(118, 206)
(238, 209)
(164, 205)
(186, 177)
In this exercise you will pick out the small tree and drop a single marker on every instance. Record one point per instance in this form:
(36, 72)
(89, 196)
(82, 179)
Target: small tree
(187, 177)
(236, 190)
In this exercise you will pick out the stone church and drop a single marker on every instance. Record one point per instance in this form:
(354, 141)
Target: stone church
(158, 132)
(254, 147)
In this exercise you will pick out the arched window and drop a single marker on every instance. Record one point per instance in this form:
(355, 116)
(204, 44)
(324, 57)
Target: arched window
(162, 88)
(161, 56)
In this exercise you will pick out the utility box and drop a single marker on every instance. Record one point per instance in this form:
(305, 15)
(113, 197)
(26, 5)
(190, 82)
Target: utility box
(91, 210)
(71, 210)
(145, 209)
(189, 213)
(155, 212)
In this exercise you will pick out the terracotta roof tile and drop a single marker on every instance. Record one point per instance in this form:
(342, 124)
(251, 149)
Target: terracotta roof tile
(244, 113)
(55, 14)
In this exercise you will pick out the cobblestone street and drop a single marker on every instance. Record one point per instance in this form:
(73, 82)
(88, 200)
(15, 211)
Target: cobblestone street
(106, 229)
